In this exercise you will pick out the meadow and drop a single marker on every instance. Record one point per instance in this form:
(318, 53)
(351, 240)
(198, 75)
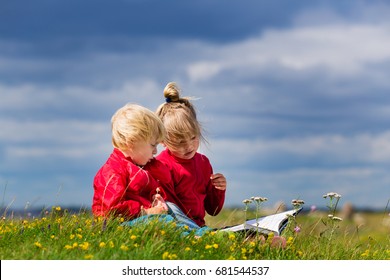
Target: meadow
(57, 234)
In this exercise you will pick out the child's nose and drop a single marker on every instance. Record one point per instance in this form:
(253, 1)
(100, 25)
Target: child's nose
(191, 145)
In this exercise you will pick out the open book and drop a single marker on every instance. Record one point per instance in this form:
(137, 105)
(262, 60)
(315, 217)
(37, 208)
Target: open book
(275, 223)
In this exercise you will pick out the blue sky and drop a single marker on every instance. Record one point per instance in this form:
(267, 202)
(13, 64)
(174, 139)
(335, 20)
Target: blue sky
(293, 95)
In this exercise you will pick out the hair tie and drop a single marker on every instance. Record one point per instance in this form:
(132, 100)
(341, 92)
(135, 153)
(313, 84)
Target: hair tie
(168, 100)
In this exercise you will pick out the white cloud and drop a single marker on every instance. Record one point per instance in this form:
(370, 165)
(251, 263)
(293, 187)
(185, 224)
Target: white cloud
(357, 168)
(356, 149)
(203, 70)
(343, 49)
(365, 187)
(378, 147)
(55, 131)
(32, 96)
(74, 153)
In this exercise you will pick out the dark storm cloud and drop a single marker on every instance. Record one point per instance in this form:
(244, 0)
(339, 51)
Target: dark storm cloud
(210, 20)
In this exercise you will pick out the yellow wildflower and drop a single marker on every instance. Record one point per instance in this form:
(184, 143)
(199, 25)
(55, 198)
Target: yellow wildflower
(84, 245)
(124, 247)
(58, 208)
(88, 257)
(68, 247)
(366, 253)
(37, 244)
(215, 246)
(133, 237)
(165, 255)
(232, 236)
(168, 256)
(102, 244)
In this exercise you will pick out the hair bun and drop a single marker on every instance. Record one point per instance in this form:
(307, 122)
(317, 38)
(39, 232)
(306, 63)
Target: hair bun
(172, 92)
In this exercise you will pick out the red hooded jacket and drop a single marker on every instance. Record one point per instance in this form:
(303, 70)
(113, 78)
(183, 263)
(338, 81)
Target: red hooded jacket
(191, 188)
(121, 187)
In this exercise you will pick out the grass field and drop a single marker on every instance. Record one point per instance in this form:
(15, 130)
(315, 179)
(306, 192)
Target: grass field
(319, 235)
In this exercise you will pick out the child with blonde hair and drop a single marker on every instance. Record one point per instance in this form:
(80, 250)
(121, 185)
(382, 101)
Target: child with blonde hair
(196, 189)
(122, 186)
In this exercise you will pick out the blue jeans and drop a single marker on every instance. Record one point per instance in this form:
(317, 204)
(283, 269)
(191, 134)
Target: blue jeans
(179, 215)
(183, 219)
(174, 215)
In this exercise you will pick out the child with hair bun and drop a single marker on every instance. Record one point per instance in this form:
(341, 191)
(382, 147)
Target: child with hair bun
(196, 189)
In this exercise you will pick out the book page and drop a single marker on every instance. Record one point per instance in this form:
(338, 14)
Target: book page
(265, 224)
(272, 222)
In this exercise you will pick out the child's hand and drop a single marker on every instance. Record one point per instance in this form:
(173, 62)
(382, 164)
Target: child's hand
(218, 181)
(159, 202)
(159, 209)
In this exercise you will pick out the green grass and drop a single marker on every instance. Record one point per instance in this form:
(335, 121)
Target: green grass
(58, 235)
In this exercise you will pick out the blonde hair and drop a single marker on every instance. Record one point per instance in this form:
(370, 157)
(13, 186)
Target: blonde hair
(133, 123)
(178, 115)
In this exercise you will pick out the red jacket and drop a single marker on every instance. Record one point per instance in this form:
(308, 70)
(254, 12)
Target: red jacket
(121, 187)
(192, 190)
